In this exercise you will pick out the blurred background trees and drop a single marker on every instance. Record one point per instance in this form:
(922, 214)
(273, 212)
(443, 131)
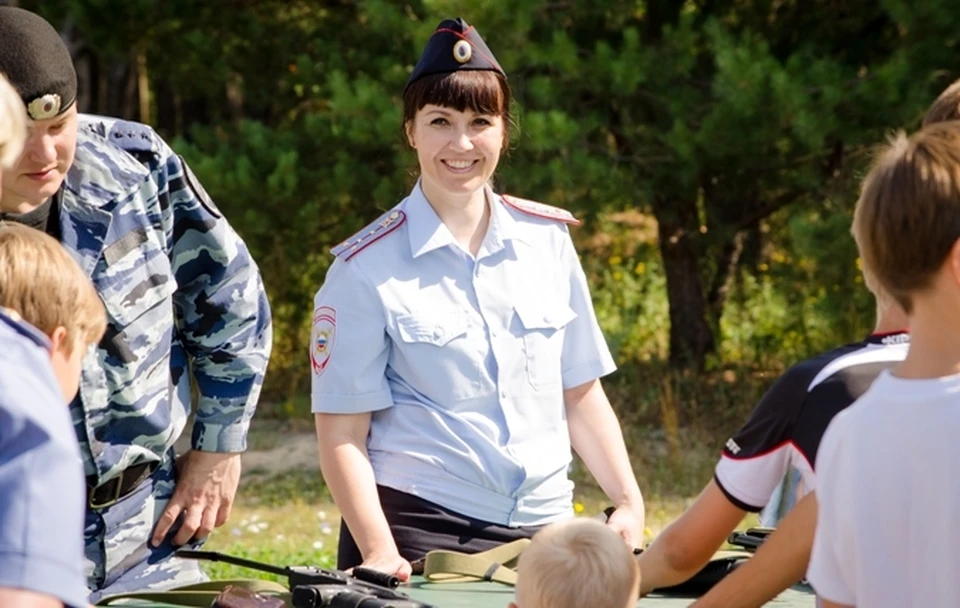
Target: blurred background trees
(712, 147)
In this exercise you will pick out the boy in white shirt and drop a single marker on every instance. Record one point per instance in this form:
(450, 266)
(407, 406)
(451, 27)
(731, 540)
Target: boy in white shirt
(887, 532)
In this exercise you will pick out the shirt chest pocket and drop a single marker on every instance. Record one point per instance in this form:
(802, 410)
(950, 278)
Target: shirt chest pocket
(542, 326)
(437, 355)
(136, 289)
(437, 329)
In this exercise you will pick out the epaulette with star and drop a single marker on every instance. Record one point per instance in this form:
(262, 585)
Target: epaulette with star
(540, 210)
(376, 230)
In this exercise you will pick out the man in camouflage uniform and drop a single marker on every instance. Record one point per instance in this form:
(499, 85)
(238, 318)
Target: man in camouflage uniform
(184, 300)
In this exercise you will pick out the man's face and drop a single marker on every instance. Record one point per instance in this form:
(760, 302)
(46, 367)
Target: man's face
(43, 164)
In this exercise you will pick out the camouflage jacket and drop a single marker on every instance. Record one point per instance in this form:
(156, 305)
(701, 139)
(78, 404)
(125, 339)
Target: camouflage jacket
(183, 298)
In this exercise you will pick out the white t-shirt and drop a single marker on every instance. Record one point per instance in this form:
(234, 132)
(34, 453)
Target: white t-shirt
(888, 530)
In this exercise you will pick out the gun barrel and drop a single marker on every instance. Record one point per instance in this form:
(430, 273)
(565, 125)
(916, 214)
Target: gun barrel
(376, 577)
(213, 556)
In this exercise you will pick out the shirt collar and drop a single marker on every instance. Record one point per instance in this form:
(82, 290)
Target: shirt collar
(424, 228)
(427, 233)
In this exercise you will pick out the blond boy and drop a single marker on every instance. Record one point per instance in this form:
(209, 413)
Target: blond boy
(886, 530)
(42, 497)
(579, 562)
(48, 289)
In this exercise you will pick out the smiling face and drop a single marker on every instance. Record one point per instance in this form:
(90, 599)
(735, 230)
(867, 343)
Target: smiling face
(458, 151)
(458, 124)
(41, 168)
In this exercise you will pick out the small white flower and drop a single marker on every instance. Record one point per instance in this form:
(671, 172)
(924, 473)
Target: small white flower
(236, 532)
(263, 525)
(253, 528)
(322, 515)
(326, 529)
(255, 517)
(280, 537)
(318, 544)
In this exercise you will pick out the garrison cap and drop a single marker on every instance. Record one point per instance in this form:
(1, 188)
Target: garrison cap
(454, 46)
(37, 63)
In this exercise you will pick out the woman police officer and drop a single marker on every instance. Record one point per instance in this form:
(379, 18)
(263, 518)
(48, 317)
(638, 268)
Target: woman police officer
(455, 351)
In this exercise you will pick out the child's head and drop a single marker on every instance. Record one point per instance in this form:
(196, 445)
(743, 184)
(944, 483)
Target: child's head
(579, 562)
(907, 220)
(13, 123)
(945, 107)
(40, 281)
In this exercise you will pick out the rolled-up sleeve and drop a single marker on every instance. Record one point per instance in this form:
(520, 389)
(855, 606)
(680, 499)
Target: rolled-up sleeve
(585, 355)
(349, 347)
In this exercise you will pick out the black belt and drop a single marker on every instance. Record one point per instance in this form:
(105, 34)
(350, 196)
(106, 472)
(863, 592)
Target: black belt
(113, 490)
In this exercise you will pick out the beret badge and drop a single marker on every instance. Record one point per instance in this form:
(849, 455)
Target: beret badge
(44, 107)
(462, 51)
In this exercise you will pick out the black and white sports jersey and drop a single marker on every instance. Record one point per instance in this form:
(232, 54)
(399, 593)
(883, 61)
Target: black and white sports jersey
(785, 428)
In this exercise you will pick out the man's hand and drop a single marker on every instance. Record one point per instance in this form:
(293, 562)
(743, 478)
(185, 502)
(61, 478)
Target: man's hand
(628, 525)
(204, 494)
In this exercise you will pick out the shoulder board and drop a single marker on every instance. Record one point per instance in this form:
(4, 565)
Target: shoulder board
(12, 319)
(133, 136)
(540, 210)
(376, 230)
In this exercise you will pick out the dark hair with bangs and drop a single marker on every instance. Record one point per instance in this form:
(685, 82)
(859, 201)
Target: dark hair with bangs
(483, 91)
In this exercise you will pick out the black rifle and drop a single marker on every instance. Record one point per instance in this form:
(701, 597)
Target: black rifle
(313, 587)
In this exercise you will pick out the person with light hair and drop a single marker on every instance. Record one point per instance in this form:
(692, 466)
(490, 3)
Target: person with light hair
(577, 562)
(50, 315)
(13, 124)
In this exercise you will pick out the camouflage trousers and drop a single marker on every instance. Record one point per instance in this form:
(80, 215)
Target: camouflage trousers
(119, 558)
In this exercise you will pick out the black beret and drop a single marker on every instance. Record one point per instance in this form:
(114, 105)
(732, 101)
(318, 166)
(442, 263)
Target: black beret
(37, 63)
(454, 46)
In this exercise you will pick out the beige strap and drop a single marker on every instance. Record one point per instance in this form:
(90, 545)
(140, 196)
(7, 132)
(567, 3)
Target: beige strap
(498, 564)
(199, 595)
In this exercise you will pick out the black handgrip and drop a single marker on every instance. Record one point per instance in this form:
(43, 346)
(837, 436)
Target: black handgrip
(376, 577)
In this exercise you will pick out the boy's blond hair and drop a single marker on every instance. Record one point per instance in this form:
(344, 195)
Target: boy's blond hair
(13, 124)
(579, 562)
(945, 107)
(908, 216)
(40, 281)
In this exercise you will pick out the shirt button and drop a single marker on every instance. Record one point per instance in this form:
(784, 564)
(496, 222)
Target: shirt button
(493, 333)
(503, 394)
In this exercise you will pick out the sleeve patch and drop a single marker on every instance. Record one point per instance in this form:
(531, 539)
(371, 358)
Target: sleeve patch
(540, 210)
(384, 225)
(198, 190)
(323, 338)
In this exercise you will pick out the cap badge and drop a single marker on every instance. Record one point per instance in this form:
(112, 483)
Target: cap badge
(462, 51)
(44, 107)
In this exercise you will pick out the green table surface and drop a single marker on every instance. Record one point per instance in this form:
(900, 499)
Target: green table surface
(495, 595)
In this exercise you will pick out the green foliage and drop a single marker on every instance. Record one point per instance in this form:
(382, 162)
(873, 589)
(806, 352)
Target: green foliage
(715, 143)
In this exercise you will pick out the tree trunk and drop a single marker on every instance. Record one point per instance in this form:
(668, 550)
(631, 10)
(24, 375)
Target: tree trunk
(691, 334)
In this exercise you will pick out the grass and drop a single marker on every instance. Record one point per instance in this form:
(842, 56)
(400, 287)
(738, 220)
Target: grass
(287, 517)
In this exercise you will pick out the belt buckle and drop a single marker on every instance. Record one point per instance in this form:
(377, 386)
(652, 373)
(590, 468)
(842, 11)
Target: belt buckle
(118, 494)
(113, 499)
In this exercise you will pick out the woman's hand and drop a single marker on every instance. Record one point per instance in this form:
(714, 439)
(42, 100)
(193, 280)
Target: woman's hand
(389, 563)
(629, 525)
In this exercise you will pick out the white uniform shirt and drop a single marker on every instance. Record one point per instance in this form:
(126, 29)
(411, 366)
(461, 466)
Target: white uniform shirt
(887, 532)
(462, 361)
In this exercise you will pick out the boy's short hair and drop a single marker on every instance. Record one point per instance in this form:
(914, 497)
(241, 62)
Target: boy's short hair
(40, 281)
(907, 218)
(579, 562)
(13, 124)
(946, 106)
